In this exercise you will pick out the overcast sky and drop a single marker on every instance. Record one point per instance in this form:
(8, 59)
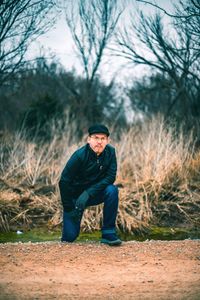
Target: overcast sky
(58, 41)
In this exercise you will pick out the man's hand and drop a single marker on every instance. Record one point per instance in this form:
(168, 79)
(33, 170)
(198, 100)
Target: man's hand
(81, 201)
(80, 204)
(75, 215)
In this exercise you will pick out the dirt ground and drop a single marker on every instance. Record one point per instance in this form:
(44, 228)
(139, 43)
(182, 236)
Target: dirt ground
(135, 270)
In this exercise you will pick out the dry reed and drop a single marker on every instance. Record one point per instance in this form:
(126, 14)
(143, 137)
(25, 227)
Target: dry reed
(158, 176)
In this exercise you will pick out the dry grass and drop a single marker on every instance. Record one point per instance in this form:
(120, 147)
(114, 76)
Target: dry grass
(158, 173)
(162, 173)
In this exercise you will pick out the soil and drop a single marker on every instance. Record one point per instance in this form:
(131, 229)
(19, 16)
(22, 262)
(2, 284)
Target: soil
(134, 270)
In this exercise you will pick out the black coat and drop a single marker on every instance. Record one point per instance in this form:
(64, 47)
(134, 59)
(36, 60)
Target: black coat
(87, 171)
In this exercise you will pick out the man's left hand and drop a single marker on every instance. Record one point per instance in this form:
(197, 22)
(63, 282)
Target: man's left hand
(81, 201)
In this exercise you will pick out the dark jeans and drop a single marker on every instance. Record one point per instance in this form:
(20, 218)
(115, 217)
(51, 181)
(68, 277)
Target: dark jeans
(109, 197)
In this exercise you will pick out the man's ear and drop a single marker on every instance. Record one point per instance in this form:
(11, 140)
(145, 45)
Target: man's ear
(88, 138)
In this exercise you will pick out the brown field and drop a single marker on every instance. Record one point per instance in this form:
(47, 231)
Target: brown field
(158, 176)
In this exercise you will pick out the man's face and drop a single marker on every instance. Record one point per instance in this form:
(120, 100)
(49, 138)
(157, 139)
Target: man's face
(98, 142)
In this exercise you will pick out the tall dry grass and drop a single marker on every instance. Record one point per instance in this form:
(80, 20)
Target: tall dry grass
(156, 163)
(158, 176)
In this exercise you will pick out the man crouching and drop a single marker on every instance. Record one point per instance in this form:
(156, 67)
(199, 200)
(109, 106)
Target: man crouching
(87, 180)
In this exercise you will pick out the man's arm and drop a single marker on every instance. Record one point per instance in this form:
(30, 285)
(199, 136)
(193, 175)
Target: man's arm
(70, 169)
(67, 176)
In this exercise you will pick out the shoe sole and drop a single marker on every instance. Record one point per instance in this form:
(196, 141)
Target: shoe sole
(111, 243)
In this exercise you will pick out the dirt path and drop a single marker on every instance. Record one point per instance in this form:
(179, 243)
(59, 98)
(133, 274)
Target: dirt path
(135, 270)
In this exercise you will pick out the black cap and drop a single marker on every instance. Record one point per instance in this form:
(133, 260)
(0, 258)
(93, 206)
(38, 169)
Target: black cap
(98, 128)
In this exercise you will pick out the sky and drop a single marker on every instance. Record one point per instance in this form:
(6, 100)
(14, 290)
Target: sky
(58, 42)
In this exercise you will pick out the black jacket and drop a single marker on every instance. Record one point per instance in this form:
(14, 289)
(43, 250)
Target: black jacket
(87, 171)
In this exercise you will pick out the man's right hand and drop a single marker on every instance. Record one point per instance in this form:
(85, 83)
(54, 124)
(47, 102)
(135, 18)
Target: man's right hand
(75, 215)
(80, 203)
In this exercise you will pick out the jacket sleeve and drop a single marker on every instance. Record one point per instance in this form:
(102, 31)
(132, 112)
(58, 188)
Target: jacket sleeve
(108, 179)
(67, 176)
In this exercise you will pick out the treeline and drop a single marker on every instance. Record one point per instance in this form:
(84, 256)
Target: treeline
(47, 93)
(35, 94)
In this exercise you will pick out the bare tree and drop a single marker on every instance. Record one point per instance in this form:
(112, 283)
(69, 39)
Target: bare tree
(185, 12)
(175, 55)
(92, 25)
(189, 12)
(21, 21)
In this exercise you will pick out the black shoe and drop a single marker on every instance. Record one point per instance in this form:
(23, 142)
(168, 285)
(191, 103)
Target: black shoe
(111, 239)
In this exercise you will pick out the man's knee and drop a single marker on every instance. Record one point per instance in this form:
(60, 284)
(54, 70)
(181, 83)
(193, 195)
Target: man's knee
(111, 189)
(69, 237)
(70, 229)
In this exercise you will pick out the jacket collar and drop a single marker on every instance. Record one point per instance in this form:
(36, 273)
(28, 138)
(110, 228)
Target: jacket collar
(93, 154)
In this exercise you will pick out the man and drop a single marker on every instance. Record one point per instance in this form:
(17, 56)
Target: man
(87, 180)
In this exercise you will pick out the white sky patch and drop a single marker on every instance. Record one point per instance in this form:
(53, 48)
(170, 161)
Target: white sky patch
(58, 41)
